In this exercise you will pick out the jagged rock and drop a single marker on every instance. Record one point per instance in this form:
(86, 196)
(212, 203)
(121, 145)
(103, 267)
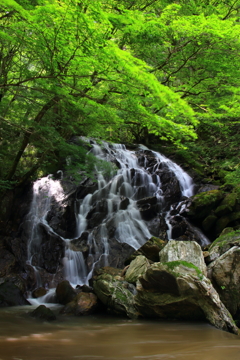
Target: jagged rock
(223, 243)
(62, 217)
(52, 252)
(117, 295)
(225, 275)
(179, 226)
(81, 244)
(179, 290)
(65, 293)
(124, 204)
(184, 250)
(118, 251)
(152, 200)
(85, 303)
(11, 295)
(170, 187)
(44, 313)
(152, 248)
(147, 207)
(158, 227)
(137, 267)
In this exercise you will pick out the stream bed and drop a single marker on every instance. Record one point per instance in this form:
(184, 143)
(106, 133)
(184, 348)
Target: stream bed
(108, 338)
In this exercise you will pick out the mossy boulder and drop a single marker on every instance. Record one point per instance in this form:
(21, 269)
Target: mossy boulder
(150, 250)
(179, 290)
(223, 243)
(188, 251)
(116, 295)
(223, 210)
(137, 268)
(230, 200)
(152, 247)
(202, 204)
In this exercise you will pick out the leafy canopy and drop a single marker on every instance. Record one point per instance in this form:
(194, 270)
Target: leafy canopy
(110, 69)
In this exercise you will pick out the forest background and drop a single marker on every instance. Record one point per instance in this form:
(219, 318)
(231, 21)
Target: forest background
(159, 72)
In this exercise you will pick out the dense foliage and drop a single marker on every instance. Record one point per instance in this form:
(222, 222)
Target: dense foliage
(128, 70)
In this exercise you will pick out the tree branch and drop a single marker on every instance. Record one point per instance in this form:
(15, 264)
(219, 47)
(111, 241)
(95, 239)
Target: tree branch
(231, 9)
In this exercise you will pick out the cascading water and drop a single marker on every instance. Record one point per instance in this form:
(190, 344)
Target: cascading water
(114, 211)
(44, 190)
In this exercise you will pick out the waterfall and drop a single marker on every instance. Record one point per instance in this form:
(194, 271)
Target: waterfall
(116, 215)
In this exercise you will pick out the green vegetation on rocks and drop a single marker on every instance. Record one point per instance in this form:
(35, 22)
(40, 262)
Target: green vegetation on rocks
(174, 266)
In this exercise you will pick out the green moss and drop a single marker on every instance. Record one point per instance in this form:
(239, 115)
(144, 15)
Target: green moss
(226, 238)
(230, 200)
(223, 210)
(173, 264)
(204, 203)
(208, 197)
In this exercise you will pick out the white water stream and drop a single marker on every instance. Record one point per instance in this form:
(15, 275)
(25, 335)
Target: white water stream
(131, 183)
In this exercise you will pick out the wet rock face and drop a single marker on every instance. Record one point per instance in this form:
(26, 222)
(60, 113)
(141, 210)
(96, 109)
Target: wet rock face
(11, 295)
(224, 269)
(51, 252)
(213, 211)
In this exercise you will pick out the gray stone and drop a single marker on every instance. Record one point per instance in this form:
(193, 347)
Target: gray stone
(180, 291)
(225, 274)
(115, 295)
(137, 267)
(184, 250)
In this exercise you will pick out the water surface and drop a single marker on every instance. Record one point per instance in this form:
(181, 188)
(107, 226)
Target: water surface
(110, 338)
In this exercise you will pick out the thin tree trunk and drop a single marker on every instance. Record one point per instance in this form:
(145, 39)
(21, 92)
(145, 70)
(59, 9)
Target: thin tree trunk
(27, 135)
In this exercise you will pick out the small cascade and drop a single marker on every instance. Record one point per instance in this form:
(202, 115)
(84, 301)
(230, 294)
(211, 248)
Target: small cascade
(114, 218)
(44, 190)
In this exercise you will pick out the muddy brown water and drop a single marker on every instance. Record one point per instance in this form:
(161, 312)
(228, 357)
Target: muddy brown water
(110, 338)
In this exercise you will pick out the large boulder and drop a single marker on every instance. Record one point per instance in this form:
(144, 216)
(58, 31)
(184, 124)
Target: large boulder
(184, 250)
(224, 272)
(202, 204)
(65, 292)
(116, 295)
(85, 303)
(179, 290)
(152, 248)
(137, 268)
